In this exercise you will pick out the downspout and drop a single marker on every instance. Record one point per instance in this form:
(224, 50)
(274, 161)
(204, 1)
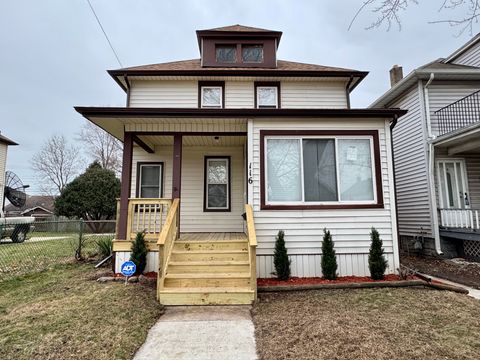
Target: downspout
(125, 77)
(431, 168)
(347, 91)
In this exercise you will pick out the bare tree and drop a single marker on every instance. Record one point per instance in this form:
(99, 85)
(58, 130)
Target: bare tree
(56, 164)
(388, 13)
(102, 147)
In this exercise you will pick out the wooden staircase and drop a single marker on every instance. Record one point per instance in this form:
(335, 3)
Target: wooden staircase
(207, 271)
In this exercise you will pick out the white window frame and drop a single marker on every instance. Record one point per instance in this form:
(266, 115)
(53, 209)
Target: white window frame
(208, 105)
(207, 164)
(160, 178)
(259, 106)
(302, 202)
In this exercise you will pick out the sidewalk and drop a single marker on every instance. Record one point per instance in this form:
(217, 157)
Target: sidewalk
(201, 332)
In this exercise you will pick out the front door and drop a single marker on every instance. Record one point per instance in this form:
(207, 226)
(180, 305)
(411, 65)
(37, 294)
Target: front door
(452, 184)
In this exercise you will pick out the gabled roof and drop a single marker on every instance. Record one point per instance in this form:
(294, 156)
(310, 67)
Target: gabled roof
(464, 48)
(5, 140)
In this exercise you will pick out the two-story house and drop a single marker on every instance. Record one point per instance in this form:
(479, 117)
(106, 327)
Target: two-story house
(222, 152)
(437, 153)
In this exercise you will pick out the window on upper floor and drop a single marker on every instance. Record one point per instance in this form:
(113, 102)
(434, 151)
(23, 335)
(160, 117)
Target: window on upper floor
(267, 95)
(211, 96)
(226, 53)
(252, 53)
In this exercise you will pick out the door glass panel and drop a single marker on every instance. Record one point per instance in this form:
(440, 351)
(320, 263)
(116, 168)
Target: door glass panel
(451, 184)
(443, 192)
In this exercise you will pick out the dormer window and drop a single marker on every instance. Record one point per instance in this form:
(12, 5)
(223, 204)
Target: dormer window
(211, 94)
(226, 53)
(252, 53)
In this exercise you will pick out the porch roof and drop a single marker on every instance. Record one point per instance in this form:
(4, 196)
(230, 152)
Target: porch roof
(463, 140)
(114, 119)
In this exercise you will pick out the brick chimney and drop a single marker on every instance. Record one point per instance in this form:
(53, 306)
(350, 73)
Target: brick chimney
(396, 74)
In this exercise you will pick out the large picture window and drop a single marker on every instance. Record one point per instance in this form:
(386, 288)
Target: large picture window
(149, 180)
(319, 170)
(217, 184)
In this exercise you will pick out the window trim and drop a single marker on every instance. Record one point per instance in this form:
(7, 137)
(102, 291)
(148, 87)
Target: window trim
(229, 184)
(252, 45)
(219, 84)
(276, 84)
(139, 174)
(376, 171)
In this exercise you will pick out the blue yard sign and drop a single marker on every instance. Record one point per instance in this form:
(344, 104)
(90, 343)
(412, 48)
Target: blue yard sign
(128, 268)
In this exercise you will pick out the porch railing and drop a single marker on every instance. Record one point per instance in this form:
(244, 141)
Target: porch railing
(170, 233)
(147, 215)
(252, 247)
(460, 218)
(460, 114)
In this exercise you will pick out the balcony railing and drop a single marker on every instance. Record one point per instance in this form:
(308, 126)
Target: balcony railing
(460, 114)
(460, 218)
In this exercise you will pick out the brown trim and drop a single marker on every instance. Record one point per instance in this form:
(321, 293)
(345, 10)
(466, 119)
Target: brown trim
(189, 112)
(256, 84)
(177, 167)
(128, 90)
(229, 185)
(142, 144)
(210, 83)
(125, 185)
(162, 182)
(193, 133)
(376, 156)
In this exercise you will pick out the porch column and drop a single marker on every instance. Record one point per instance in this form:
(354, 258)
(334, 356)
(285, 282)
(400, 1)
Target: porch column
(125, 186)
(177, 166)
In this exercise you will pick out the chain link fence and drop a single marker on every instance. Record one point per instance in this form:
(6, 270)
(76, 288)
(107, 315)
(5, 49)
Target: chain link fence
(28, 248)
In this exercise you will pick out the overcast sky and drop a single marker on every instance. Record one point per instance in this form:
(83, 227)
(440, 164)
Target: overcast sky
(53, 55)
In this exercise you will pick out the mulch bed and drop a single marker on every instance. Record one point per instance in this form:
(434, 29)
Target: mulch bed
(462, 272)
(318, 280)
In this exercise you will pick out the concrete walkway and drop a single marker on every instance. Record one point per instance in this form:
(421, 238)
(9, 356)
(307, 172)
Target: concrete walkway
(471, 291)
(201, 332)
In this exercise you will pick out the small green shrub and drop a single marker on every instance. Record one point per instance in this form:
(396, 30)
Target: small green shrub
(280, 257)
(139, 253)
(329, 260)
(104, 247)
(376, 257)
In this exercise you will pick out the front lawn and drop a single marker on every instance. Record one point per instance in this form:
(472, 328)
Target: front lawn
(406, 323)
(64, 313)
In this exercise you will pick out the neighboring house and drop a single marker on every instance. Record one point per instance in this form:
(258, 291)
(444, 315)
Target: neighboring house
(437, 153)
(241, 134)
(4, 143)
(38, 206)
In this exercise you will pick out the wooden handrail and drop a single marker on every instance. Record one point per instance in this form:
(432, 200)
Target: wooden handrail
(252, 247)
(146, 214)
(166, 240)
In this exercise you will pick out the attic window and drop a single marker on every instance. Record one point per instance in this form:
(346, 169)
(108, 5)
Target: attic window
(226, 53)
(252, 53)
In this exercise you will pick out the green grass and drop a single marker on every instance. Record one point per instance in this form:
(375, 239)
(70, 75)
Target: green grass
(37, 254)
(64, 313)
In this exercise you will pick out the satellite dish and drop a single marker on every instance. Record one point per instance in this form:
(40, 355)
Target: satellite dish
(14, 189)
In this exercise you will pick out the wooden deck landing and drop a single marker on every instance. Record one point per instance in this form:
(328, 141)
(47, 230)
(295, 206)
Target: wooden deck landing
(212, 236)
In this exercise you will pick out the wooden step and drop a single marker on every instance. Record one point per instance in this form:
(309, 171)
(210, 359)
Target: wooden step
(211, 245)
(206, 296)
(208, 280)
(209, 255)
(186, 267)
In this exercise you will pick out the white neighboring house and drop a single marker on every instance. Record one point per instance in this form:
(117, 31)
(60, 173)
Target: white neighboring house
(437, 153)
(4, 143)
(240, 134)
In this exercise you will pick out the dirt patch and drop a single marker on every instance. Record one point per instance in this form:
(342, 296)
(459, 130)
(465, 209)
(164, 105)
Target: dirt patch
(367, 324)
(457, 270)
(319, 280)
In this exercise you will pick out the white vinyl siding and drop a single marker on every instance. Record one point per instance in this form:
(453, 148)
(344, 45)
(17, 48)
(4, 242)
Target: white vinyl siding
(238, 94)
(350, 228)
(471, 57)
(443, 94)
(312, 95)
(409, 141)
(164, 94)
(193, 218)
(3, 164)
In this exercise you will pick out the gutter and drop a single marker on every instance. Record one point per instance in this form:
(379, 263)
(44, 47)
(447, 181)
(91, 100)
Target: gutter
(125, 77)
(392, 126)
(348, 90)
